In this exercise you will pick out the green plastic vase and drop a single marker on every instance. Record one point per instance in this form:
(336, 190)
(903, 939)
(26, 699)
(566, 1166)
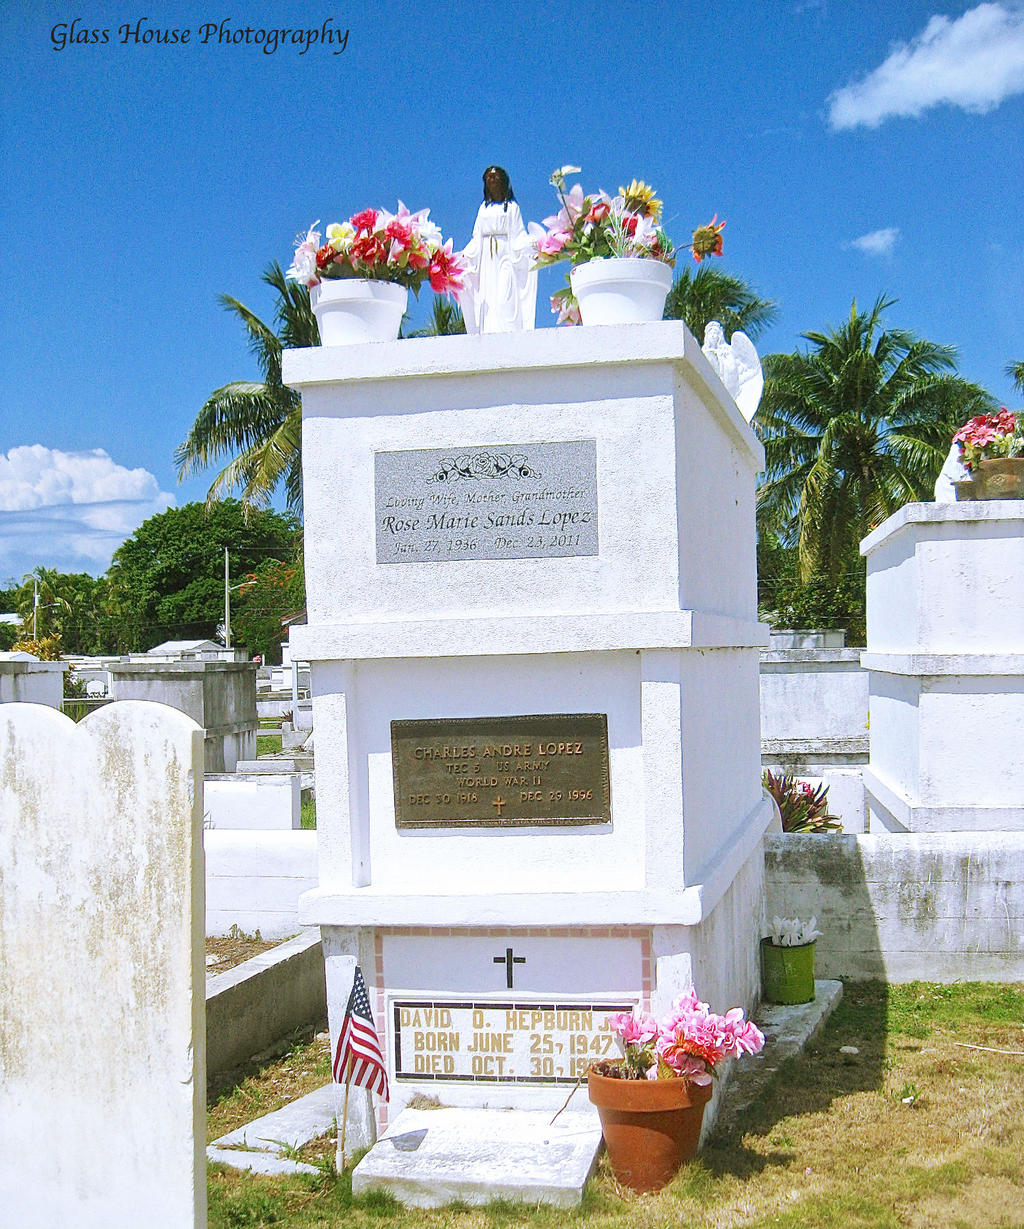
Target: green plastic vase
(787, 973)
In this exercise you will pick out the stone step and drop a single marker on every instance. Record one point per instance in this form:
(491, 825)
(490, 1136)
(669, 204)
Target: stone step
(430, 1157)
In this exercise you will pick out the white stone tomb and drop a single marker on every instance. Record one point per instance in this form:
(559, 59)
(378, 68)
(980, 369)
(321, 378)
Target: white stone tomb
(945, 656)
(557, 523)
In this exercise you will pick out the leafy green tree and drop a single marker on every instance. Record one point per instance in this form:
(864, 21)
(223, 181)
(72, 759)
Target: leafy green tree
(278, 590)
(9, 634)
(1016, 373)
(167, 580)
(854, 428)
(709, 294)
(257, 424)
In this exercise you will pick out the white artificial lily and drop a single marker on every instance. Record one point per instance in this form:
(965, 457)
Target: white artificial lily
(791, 932)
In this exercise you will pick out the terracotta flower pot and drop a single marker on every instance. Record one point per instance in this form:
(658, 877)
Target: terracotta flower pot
(650, 1126)
(1000, 478)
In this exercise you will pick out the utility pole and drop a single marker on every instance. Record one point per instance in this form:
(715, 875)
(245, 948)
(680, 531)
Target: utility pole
(227, 602)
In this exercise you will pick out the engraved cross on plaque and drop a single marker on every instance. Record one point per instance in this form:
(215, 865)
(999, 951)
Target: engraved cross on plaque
(508, 960)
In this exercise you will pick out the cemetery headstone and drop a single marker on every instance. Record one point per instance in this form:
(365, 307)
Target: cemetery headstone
(102, 984)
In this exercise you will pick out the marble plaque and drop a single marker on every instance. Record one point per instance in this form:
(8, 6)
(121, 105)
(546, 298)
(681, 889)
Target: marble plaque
(503, 1042)
(501, 501)
(501, 772)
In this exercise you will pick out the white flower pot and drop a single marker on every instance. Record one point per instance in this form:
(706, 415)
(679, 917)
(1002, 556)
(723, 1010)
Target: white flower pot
(621, 290)
(351, 310)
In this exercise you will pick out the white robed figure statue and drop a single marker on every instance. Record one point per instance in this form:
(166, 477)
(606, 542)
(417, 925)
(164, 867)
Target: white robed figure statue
(499, 292)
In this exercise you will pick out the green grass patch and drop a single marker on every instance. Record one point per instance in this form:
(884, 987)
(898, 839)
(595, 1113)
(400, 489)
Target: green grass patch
(267, 744)
(835, 1142)
(308, 813)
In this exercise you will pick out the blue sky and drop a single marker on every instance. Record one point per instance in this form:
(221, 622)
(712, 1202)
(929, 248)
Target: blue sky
(853, 149)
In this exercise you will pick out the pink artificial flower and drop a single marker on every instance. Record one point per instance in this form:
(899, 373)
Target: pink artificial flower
(740, 1036)
(599, 211)
(553, 242)
(635, 1028)
(566, 309)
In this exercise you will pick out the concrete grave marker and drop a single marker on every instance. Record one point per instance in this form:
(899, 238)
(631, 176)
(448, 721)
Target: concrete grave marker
(102, 1028)
(502, 902)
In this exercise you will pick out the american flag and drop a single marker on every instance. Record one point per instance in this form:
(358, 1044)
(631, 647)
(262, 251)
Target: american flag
(358, 1048)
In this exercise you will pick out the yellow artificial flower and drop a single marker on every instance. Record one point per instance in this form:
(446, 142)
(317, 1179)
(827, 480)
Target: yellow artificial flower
(340, 234)
(639, 198)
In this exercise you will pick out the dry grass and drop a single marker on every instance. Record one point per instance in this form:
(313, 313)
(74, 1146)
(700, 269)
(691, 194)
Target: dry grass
(914, 1132)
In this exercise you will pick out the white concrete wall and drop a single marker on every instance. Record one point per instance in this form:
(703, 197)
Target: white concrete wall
(265, 801)
(254, 880)
(904, 907)
(32, 682)
(263, 999)
(102, 1037)
(813, 694)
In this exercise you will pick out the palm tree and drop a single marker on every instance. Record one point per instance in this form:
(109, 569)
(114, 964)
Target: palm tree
(1016, 373)
(710, 294)
(852, 429)
(446, 320)
(261, 423)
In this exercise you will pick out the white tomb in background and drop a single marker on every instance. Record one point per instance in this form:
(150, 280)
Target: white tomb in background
(554, 524)
(945, 662)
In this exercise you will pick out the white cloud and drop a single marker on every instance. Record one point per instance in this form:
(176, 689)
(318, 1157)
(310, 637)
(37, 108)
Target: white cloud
(973, 62)
(877, 242)
(69, 510)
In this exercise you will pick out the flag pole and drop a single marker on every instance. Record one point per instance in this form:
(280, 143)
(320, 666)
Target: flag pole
(344, 1118)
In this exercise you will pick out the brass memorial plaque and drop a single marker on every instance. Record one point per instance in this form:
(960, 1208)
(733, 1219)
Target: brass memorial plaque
(501, 772)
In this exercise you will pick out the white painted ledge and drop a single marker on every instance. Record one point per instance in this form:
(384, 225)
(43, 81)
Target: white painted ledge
(932, 513)
(540, 350)
(937, 664)
(500, 636)
(916, 817)
(370, 906)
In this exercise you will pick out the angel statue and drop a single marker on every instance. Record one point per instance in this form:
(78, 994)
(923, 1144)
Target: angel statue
(737, 365)
(499, 292)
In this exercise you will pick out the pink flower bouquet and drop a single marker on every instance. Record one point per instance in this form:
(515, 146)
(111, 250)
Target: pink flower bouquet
(687, 1044)
(597, 226)
(403, 247)
(989, 436)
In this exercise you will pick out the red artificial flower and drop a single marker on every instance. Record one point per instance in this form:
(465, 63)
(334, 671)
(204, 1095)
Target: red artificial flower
(325, 256)
(599, 212)
(401, 232)
(365, 221)
(630, 222)
(445, 271)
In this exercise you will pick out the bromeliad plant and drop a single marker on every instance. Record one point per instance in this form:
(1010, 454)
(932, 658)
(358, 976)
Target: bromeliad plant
(403, 247)
(687, 1044)
(596, 226)
(803, 807)
(990, 436)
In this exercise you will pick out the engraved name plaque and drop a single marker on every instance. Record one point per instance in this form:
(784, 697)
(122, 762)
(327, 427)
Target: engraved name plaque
(503, 501)
(501, 1043)
(501, 772)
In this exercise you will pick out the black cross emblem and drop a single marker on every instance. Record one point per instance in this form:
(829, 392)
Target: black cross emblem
(508, 960)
